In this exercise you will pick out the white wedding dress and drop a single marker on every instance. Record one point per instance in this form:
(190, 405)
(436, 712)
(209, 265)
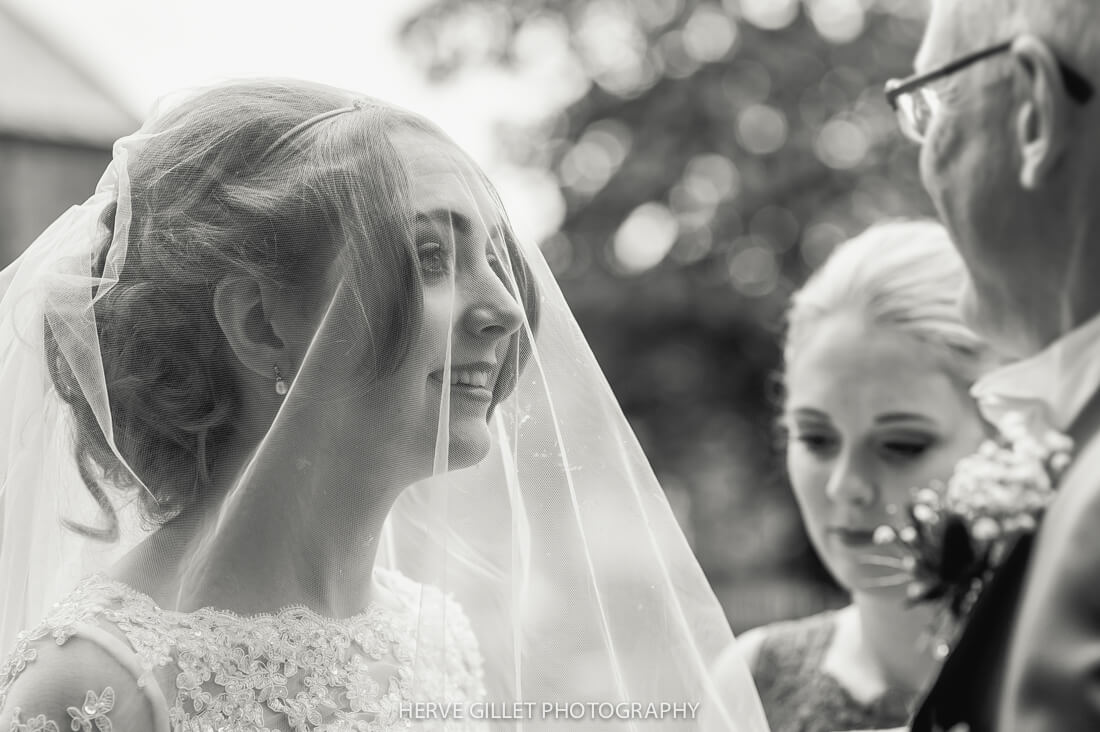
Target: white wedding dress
(107, 657)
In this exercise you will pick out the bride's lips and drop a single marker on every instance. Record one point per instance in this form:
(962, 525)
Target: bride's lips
(852, 536)
(472, 380)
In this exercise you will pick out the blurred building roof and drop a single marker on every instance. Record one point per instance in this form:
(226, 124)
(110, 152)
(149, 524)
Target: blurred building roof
(47, 95)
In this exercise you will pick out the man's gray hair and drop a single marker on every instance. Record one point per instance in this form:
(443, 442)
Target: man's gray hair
(1070, 27)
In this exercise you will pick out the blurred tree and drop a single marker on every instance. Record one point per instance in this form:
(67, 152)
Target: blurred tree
(709, 156)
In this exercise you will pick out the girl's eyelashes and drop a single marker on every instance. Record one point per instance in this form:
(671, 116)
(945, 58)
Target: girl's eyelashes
(818, 443)
(908, 449)
(823, 442)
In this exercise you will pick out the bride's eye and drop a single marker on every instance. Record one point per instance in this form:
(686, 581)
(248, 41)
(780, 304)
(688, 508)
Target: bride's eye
(434, 256)
(498, 254)
(497, 265)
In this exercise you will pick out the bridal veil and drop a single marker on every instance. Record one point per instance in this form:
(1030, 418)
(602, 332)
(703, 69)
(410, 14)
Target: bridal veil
(294, 317)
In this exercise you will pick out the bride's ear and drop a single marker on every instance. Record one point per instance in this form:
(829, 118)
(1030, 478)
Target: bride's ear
(263, 324)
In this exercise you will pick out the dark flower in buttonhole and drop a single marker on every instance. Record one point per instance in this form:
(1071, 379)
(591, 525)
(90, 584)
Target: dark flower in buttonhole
(954, 534)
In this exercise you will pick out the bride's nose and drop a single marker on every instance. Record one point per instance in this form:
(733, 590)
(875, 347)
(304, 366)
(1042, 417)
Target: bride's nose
(493, 313)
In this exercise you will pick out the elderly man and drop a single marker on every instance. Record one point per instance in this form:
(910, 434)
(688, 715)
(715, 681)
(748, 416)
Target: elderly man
(1003, 107)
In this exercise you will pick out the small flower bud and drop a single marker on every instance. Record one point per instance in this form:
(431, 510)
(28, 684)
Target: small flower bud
(1025, 522)
(985, 529)
(1060, 461)
(924, 513)
(884, 535)
(928, 497)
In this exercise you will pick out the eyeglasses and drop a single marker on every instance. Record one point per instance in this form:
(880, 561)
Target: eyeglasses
(916, 103)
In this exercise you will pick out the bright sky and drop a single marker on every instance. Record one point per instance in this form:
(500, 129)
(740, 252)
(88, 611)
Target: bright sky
(143, 48)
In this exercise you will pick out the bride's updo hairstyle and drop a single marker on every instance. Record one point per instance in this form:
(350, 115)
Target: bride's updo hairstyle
(904, 276)
(262, 179)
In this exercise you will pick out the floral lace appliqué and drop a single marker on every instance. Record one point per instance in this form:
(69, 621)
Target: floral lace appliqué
(34, 724)
(292, 670)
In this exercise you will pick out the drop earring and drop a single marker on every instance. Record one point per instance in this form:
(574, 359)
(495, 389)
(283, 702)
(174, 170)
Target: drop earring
(281, 387)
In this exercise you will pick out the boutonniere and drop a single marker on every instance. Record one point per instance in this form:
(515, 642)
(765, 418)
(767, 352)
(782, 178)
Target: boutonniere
(956, 533)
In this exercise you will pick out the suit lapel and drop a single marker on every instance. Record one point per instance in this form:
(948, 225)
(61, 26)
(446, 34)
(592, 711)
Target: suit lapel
(1087, 425)
(966, 689)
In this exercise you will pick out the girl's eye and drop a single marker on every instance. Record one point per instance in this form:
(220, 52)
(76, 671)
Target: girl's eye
(816, 443)
(906, 449)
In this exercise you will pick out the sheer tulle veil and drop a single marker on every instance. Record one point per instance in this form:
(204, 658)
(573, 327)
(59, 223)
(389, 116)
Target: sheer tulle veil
(297, 318)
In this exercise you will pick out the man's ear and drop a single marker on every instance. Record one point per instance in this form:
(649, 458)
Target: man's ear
(260, 323)
(1042, 118)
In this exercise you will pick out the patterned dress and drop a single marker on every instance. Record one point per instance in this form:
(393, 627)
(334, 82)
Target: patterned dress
(107, 657)
(799, 697)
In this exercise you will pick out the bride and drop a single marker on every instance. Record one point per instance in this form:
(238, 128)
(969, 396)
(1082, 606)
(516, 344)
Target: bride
(295, 435)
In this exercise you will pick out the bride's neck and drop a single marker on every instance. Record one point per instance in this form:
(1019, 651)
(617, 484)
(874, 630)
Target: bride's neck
(293, 533)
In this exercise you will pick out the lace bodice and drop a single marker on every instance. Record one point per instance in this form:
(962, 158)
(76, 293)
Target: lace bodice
(799, 696)
(213, 670)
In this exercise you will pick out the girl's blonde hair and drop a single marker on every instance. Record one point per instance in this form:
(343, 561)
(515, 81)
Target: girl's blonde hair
(902, 275)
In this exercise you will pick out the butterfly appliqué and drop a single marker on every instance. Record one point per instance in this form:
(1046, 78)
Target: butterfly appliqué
(93, 711)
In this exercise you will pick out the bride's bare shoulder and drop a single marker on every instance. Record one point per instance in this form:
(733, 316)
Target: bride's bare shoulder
(77, 682)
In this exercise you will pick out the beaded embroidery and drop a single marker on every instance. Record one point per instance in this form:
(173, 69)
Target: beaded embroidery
(289, 670)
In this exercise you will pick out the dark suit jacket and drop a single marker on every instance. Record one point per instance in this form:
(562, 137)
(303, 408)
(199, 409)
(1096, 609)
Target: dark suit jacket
(1028, 658)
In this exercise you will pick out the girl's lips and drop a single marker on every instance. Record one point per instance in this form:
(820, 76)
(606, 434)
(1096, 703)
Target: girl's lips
(852, 536)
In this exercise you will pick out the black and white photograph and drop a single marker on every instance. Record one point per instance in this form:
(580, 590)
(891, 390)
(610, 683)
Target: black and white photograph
(538, 365)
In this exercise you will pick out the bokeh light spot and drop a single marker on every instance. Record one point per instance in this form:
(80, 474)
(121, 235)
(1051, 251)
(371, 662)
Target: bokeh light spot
(645, 237)
(754, 271)
(841, 144)
(838, 21)
(657, 13)
(768, 14)
(710, 179)
(709, 34)
(818, 242)
(679, 64)
(762, 129)
(589, 164)
(693, 245)
(613, 47)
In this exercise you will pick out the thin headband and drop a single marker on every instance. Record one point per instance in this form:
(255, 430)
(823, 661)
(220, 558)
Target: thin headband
(302, 126)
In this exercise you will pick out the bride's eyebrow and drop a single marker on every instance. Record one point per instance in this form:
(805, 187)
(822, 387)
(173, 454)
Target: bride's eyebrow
(455, 219)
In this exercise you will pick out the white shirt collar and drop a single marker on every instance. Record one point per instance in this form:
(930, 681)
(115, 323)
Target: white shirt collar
(1050, 388)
